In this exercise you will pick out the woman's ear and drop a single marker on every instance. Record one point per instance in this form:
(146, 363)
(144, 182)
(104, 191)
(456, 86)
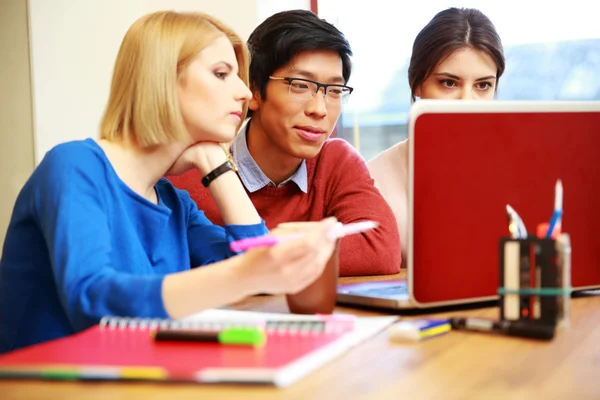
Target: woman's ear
(418, 91)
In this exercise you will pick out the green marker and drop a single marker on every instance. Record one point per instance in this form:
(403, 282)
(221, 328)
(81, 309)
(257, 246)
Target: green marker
(60, 374)
(250, 336)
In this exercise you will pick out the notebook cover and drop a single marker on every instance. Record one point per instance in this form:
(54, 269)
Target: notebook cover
(124, 354)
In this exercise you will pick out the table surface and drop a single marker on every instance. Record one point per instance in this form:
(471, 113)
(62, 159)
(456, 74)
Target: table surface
(459, 365)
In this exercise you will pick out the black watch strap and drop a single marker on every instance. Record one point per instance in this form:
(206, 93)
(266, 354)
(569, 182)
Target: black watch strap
(215, 173)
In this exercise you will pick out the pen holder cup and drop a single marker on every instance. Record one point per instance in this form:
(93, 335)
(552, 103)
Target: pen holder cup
(535, 280)
(320, 296)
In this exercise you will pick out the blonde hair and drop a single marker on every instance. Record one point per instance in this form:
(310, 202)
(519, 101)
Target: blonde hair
(143, 106)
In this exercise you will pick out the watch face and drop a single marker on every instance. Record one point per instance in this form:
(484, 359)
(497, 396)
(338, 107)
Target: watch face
(227, 149)
(233, 164)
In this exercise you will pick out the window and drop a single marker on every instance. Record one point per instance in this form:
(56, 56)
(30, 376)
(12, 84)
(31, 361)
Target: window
(552, 53)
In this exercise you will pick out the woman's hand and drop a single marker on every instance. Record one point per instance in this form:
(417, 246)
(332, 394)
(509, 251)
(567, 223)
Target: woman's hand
(205, 156)
(287, 268)
(291, 266)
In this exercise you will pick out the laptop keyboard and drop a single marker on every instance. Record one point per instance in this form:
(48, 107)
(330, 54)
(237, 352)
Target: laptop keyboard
(396, 290)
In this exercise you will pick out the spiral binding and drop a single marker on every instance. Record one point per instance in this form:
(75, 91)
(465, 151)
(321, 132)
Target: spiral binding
(157, 323)
(270, 326)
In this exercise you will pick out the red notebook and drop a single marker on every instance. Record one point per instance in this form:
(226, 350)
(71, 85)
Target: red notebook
(129, 352)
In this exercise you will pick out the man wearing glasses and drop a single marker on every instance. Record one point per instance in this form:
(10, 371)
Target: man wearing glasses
(291, 169)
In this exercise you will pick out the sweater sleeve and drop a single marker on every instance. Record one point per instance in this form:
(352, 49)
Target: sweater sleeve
(389, 170)
(75, 224)
(354, 197)
(209, 243)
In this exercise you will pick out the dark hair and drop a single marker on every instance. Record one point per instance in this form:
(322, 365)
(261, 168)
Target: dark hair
(276, 41)
(450, 30)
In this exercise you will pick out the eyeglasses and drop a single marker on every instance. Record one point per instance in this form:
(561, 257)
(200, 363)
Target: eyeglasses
(306, 89)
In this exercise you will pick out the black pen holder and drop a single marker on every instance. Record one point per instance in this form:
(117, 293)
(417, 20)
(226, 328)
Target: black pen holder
(535, 280)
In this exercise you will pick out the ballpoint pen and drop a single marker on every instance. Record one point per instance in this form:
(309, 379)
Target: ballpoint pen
(556, 220)
(337, 232)
(524, 329)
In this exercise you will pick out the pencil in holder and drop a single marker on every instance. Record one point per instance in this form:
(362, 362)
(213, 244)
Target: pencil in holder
(535, 280)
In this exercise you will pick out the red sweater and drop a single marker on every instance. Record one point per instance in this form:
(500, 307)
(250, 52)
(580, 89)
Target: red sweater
(339, 184)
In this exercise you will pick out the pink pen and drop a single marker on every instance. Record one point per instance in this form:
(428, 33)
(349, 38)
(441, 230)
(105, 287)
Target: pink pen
(337, 232)
(250, 243)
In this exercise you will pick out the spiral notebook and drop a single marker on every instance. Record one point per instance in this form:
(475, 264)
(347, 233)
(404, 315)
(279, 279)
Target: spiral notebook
(123, 349)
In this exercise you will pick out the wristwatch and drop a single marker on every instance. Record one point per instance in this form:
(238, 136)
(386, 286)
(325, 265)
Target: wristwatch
(228, 165)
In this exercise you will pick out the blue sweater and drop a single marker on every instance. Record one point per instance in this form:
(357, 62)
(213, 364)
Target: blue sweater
(82, 245)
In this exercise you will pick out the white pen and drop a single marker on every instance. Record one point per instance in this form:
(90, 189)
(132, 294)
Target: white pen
(516, 226)
(340, 230)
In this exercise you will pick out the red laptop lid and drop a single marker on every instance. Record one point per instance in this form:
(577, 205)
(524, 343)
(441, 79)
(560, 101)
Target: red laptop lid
(471, 159)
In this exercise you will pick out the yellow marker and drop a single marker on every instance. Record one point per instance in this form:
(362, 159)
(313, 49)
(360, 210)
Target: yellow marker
(154, 373)
(417, 330)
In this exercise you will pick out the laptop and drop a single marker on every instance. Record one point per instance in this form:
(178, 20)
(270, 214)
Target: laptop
(467, 160)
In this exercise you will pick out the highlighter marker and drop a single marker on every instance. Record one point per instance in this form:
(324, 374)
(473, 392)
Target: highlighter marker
(69, 374)
(235, 336)
(418, 330)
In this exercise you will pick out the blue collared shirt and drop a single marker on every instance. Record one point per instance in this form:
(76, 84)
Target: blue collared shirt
(251, 174)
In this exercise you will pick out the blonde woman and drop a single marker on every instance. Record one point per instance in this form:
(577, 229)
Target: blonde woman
(97, 231)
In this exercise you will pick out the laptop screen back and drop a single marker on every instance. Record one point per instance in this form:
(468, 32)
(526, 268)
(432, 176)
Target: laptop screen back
(468, 165)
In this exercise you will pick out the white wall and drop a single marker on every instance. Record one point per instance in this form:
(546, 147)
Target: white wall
(57, 60)
(16, 130)
(74, 44)
(266, 8)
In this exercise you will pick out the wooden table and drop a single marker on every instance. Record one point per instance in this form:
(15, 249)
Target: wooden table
(460, 365)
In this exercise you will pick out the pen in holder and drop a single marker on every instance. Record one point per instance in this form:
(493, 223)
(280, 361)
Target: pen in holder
(535, 280)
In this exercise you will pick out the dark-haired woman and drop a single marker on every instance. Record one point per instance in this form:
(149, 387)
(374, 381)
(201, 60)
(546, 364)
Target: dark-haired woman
(457, 55)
